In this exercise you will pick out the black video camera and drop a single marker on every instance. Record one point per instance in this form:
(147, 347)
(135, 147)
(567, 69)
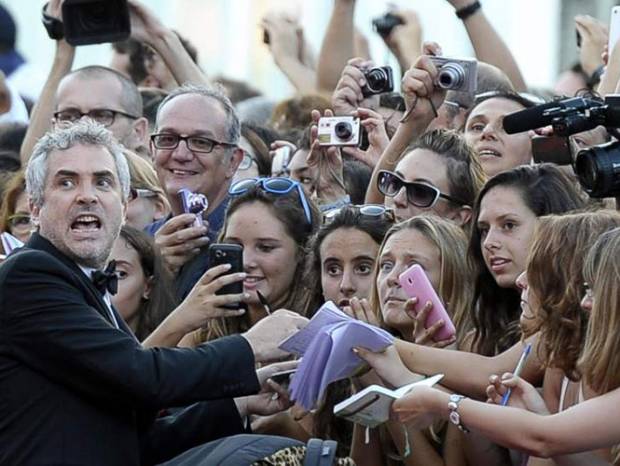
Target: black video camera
(384, 24)
(597, 167)
(95, 21)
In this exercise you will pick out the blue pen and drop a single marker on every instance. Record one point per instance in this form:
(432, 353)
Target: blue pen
(517, 371)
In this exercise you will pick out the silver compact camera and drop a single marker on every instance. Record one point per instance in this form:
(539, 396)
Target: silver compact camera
(456, 74)
(339, 131)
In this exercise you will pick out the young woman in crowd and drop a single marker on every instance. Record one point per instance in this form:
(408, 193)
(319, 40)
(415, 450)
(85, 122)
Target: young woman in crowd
(440, 247)
(587, 426)
(505, 215)
(344, 252)
(273, 221)
(438, 174)
(15, 213)
(144, 297)
(497, 150)
(147, 200)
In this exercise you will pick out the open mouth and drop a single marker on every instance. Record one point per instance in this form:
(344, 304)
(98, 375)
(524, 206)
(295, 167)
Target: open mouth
(343, 303)
(489, 153)
(498, 263)
(86, 223)
(251, 281)
(177, 172)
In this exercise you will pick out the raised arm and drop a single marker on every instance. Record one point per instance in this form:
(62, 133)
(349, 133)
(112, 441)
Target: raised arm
(488, 44)
(418, 90)
(42, 113)
(146, 28)
(337, 46)
(287, 47)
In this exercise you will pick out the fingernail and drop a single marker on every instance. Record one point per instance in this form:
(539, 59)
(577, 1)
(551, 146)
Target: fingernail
(362, 82)
(246, 295)
(355, 350)
(227, 266)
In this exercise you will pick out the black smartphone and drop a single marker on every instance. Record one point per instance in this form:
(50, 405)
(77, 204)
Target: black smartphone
(224, 253)
(283, 377)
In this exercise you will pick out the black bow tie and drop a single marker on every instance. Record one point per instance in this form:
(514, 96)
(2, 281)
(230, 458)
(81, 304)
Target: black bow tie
(106, 280)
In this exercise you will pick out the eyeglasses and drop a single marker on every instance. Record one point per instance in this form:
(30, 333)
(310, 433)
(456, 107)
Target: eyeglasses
(102, 116)
(367, 210)
(168, 141)
(246, 161)
(278, 186)
(419, 194)
(135, 193)
(20, 221)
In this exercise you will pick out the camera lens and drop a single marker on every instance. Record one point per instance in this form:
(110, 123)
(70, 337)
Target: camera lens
(343, 130)
(219, 254)
(598, 170)
(376, 80)
(451, 76)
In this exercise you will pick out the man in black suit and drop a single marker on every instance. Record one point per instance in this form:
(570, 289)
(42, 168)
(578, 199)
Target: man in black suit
(76, 387)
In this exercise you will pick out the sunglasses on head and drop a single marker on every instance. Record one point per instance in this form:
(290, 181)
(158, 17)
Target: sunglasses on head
(367, 210)
(419, 194)
(277, 186)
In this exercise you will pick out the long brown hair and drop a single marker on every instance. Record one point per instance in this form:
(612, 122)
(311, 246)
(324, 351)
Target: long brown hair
(600, 362)
(555, 276)
(289, 211)
(545, 190)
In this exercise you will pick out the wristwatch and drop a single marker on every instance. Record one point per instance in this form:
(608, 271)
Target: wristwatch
(468, 10)
(54, 27)
(455, 417)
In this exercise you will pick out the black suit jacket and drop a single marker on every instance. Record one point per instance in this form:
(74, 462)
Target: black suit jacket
(76, 390)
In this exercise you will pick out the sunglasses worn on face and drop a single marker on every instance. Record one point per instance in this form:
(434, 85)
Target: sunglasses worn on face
(277, 186)
(419, 194)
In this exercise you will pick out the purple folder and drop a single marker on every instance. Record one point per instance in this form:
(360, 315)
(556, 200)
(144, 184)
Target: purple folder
(326, 344)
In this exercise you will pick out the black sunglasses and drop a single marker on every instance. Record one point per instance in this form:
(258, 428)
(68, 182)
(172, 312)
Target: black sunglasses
(419, 194)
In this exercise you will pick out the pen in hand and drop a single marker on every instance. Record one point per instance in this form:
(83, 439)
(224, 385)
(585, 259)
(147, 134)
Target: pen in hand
(517, 371)
(264, 302)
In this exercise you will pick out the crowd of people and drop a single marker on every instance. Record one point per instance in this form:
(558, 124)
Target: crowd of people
(122, 343)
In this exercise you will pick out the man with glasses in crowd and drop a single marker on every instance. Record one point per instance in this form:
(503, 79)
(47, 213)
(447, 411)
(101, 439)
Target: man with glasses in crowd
(107, 97)
(194, 147)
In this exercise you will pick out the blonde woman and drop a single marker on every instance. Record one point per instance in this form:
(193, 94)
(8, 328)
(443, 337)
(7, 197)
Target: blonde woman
(147, 200)
(439, 246)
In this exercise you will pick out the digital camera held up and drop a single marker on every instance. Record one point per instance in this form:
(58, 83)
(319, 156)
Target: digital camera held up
(378, 81)
(456, 74)
(339, 131)
(384, 24)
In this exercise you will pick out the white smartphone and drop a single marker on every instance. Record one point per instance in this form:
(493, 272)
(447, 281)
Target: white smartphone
(614, 28)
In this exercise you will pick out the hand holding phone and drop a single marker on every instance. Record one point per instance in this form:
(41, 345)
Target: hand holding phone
(416, 284)
(224, 253)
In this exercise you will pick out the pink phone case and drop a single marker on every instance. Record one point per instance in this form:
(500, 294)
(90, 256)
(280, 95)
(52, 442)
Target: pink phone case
(416, 284)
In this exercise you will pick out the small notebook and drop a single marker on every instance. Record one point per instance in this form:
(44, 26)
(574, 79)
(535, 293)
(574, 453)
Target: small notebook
(371, 406)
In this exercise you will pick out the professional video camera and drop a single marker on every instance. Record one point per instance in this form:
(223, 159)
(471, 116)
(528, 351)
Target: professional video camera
(597, 167)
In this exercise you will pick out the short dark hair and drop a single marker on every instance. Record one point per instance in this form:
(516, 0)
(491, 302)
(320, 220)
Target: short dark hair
(465, 174)
(130, 98)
